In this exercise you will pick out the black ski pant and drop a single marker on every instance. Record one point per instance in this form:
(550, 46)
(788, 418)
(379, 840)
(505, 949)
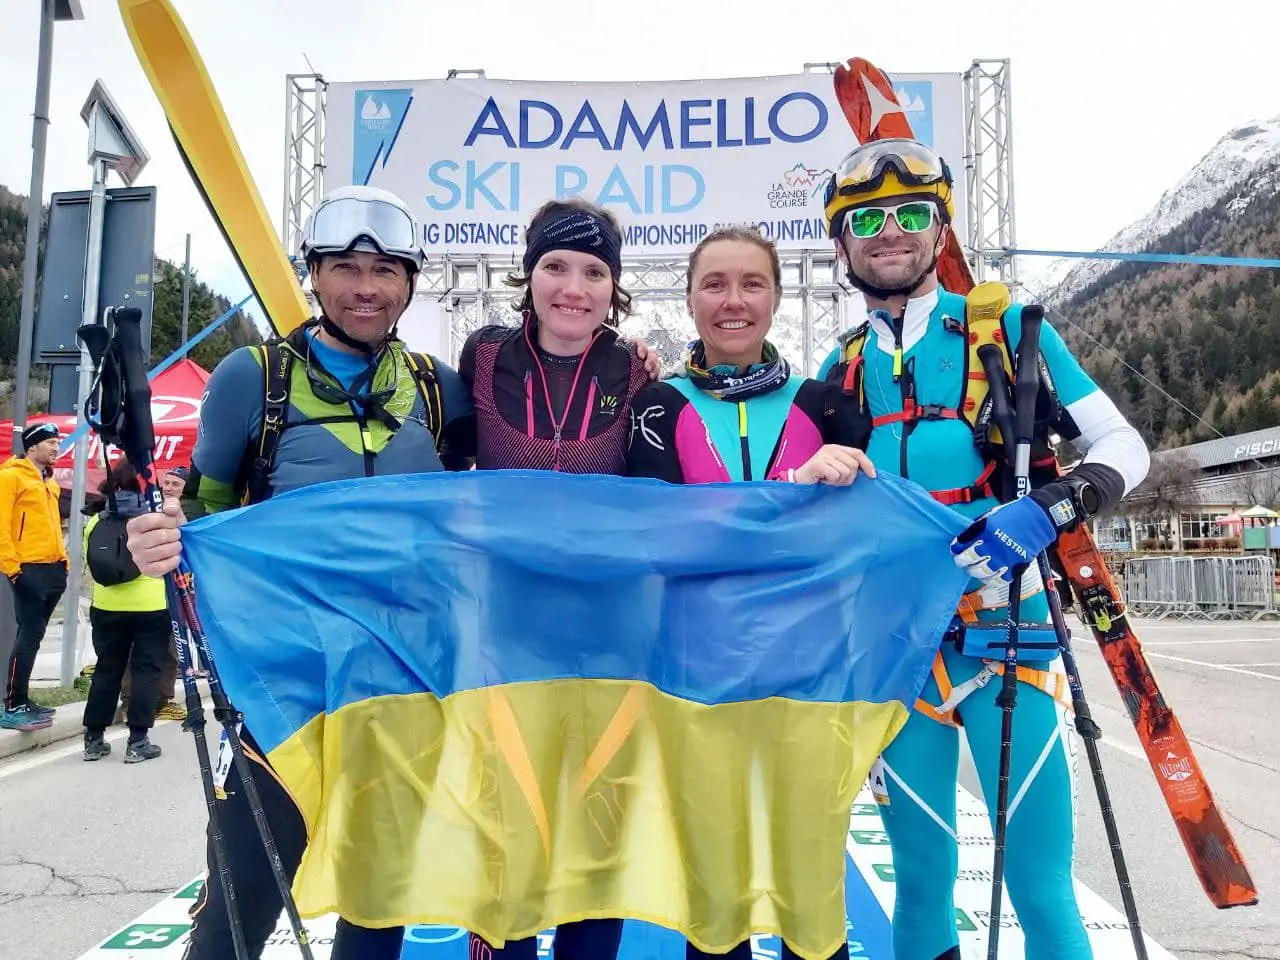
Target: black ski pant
(258, 899)
(136, 641)
(36, 591)
(583, 940)
(600, 940)
(743, 952)
(168, 676)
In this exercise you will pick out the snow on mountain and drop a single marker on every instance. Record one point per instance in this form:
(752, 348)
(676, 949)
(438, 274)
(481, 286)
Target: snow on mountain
(1041, 276)
(1234, 158)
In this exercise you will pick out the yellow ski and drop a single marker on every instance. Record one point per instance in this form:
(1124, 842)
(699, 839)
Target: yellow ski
(209, 149)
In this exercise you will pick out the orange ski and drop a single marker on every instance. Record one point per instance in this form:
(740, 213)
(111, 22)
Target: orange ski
(866, 96)
(1213, 851)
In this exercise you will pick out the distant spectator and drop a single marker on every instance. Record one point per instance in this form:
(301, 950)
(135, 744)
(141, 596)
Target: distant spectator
(34, 557)
(130, 624)
(172, 482)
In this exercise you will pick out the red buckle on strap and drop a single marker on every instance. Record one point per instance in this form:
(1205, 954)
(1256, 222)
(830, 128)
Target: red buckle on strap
(980, 489)
(850, 375)
(917, 411)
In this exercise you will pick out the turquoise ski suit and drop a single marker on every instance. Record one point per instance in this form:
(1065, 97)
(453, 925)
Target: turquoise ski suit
(920, 766)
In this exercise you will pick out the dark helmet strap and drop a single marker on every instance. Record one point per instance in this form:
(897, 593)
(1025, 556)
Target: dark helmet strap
(342, 336)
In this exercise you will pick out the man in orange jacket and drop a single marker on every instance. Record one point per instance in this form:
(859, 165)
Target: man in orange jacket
(34, 557)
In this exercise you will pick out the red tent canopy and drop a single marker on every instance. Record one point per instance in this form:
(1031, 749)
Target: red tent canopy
(176, 395)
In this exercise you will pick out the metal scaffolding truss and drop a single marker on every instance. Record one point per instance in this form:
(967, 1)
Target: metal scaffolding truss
(989, 169)
(303, 154)
(816, 303)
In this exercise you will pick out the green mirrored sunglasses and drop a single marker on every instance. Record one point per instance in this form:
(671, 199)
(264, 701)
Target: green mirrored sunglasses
(915, 216)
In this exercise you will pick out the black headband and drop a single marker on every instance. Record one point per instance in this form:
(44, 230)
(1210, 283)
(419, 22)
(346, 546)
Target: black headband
(575, 230)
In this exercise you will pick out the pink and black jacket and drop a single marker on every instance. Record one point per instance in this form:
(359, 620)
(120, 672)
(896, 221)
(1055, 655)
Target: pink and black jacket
(682, 434)
(536, 411)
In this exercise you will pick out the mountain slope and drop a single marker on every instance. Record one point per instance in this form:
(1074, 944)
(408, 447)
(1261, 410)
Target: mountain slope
(1210, 336)
(1218, 172)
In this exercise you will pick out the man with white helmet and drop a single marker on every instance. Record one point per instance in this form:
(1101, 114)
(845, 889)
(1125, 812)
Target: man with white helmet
(338, 398)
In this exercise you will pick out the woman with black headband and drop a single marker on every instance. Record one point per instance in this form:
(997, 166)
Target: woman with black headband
(555, 393)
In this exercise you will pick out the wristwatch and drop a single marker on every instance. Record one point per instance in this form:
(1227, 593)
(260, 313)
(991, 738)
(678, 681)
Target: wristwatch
(1070, 501)
(1087, 498)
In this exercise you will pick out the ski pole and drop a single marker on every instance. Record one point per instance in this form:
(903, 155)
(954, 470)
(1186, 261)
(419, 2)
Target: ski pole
(122, 380)
(134, 433)
(1007, 699)
(230, 718)
(1089, 731)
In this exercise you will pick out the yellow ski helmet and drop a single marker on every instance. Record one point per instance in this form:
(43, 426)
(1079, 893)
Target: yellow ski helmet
(887, 168)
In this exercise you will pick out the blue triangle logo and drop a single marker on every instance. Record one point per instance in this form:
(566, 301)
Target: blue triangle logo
(379, 115)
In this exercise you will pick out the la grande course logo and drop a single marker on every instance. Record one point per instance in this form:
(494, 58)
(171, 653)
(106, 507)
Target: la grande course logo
(798, 186)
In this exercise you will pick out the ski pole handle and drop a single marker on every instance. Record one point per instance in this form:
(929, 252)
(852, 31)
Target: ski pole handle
(1026, 385)
(139, 432)
(992, 360)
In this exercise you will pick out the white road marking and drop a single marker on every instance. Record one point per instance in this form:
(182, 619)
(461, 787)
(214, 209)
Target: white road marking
(1213, 666)
(1191, 643)
(1135, 752)
(43, 755)
(1270, 664)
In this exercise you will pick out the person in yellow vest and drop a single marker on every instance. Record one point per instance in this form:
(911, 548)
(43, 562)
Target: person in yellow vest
(34, 557)
(172, 482)
(130, 623)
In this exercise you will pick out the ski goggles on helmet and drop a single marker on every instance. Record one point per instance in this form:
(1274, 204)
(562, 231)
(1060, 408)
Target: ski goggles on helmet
(348, 223)
(914, 216)
(886, 168)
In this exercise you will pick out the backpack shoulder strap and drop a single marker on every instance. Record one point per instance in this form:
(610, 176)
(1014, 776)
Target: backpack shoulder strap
(852, 344)
(277, 363)
(423, 369)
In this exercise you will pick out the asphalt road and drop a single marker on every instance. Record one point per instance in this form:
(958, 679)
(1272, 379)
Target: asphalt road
(1223, 680)
(85, 848)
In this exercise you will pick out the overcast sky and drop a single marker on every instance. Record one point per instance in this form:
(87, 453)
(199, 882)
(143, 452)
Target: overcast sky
(1113, 100)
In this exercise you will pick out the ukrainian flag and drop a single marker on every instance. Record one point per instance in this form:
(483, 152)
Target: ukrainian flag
(508, 700)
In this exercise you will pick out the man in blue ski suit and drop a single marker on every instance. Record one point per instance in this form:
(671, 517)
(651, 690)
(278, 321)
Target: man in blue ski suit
(888, 209)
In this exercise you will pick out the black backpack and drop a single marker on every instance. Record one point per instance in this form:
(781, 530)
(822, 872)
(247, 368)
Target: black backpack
(108, 556)
(277, 356)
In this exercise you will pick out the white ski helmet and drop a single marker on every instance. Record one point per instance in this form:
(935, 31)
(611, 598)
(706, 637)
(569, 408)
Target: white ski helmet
(363, 218)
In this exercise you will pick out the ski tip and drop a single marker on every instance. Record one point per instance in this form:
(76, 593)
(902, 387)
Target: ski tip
(869, 102)
(132, 10)
(1249, 899)
(856, 65)
(154, 25)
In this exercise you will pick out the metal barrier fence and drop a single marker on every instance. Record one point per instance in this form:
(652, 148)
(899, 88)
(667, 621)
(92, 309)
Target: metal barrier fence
(1201, 587)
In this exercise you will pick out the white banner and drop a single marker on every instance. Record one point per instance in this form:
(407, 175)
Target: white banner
(673, 160)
